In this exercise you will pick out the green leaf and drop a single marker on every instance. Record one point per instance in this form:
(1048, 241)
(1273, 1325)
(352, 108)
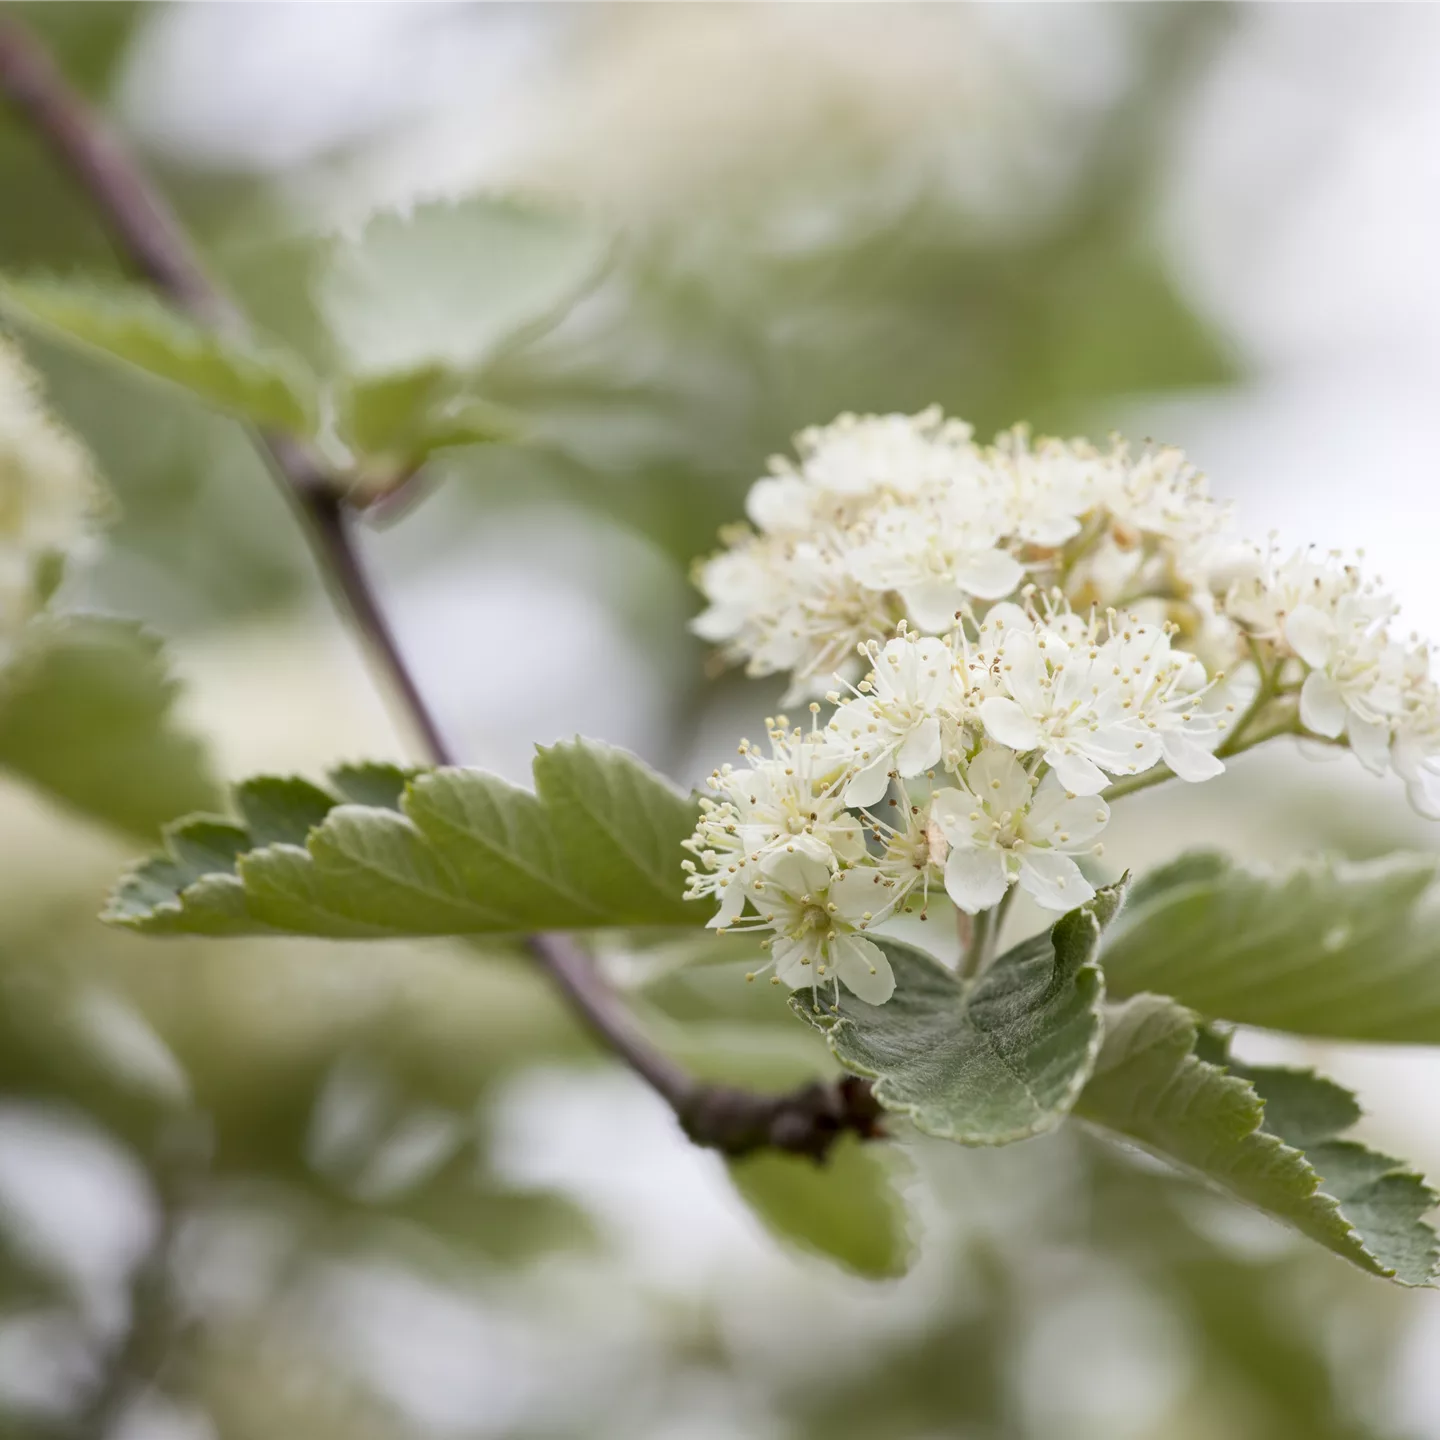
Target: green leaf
(1242, 1131)
(258, 382)
(1323, 947)
(445, 285)
(396, 421)
(846, 1209)
(386, 852)
(987, 1062)
(85, 714)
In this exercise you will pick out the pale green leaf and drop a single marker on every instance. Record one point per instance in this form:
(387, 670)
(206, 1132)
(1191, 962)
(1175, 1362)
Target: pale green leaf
(1151, 1087)
(385, 852)
(847, 1208)
(86, 715)
(258, 382)
(986, 1062)
(447, 284)
(1323, 947)
(394, 422)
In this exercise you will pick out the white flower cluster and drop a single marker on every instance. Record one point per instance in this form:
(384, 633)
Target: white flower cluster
(896, 517)
(48, 491)
(1064, 620)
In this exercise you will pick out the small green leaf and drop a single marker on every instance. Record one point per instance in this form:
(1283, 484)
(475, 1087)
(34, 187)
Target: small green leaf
(444, 286)
(988, 1062)
(394, 422)
(847, 1209)
(1242, 1131)
(386, 852)
(258, 382)
(1324, 947)
(85, 714)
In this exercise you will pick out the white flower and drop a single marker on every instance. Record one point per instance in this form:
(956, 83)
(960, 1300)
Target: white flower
(817, 917)
(785, 803)
(48, 491)
(862, 454)
(1050, 485)
(1356, 682)
(894, 724)
(937, 552)
(1001, 829)
(1090, 707)
(1158, 493)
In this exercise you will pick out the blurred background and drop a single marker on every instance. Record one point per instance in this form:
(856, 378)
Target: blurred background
(258, 1189)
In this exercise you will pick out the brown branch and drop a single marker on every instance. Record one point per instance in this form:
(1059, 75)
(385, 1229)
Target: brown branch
(806, 1121)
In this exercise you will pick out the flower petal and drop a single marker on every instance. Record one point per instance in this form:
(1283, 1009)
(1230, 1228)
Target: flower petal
(998, 780)
(1189, 759)
(790, 958)
(921, 749)
(1311, 634)
(863, 969)
(1054, 880)
(1370, 740)
(951, 810)
(1077, 774)
(933, 603)
(1008, 724)
(1322, 707)
(989, 574)
(975, 879)
(870, 785)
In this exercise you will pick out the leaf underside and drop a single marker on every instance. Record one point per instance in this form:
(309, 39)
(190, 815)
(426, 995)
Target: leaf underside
(1325, 947)
(1171, 1089)
(380, 852)
(988, 1062)
(85, 715)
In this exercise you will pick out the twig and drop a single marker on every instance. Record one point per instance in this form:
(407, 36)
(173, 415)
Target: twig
(806, 1121)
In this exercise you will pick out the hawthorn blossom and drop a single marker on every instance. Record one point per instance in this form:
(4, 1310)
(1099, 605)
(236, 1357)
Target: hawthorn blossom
(938, 555)
(1049, 484)
(788, 802)
(893, 724)
(1002, 827)
(816, 919)
(1120, 705)
(1356, 678)
(903, 454)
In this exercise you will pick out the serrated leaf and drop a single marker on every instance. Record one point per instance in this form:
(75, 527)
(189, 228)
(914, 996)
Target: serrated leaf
(988, 1062)
(1337, 948)
(847, 1209)
(86, 715)
(1150, 1087)
(445, 285)
(385, 852)
(258, 382)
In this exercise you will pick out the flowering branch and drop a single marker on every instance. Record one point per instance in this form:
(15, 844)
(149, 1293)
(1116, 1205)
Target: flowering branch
(806, 1121)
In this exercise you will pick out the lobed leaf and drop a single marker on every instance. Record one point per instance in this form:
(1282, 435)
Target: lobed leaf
(986, 1062)
(1268, 1137)
(86, 715)
(262, 383)
(385, 852)
(1349, 950)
